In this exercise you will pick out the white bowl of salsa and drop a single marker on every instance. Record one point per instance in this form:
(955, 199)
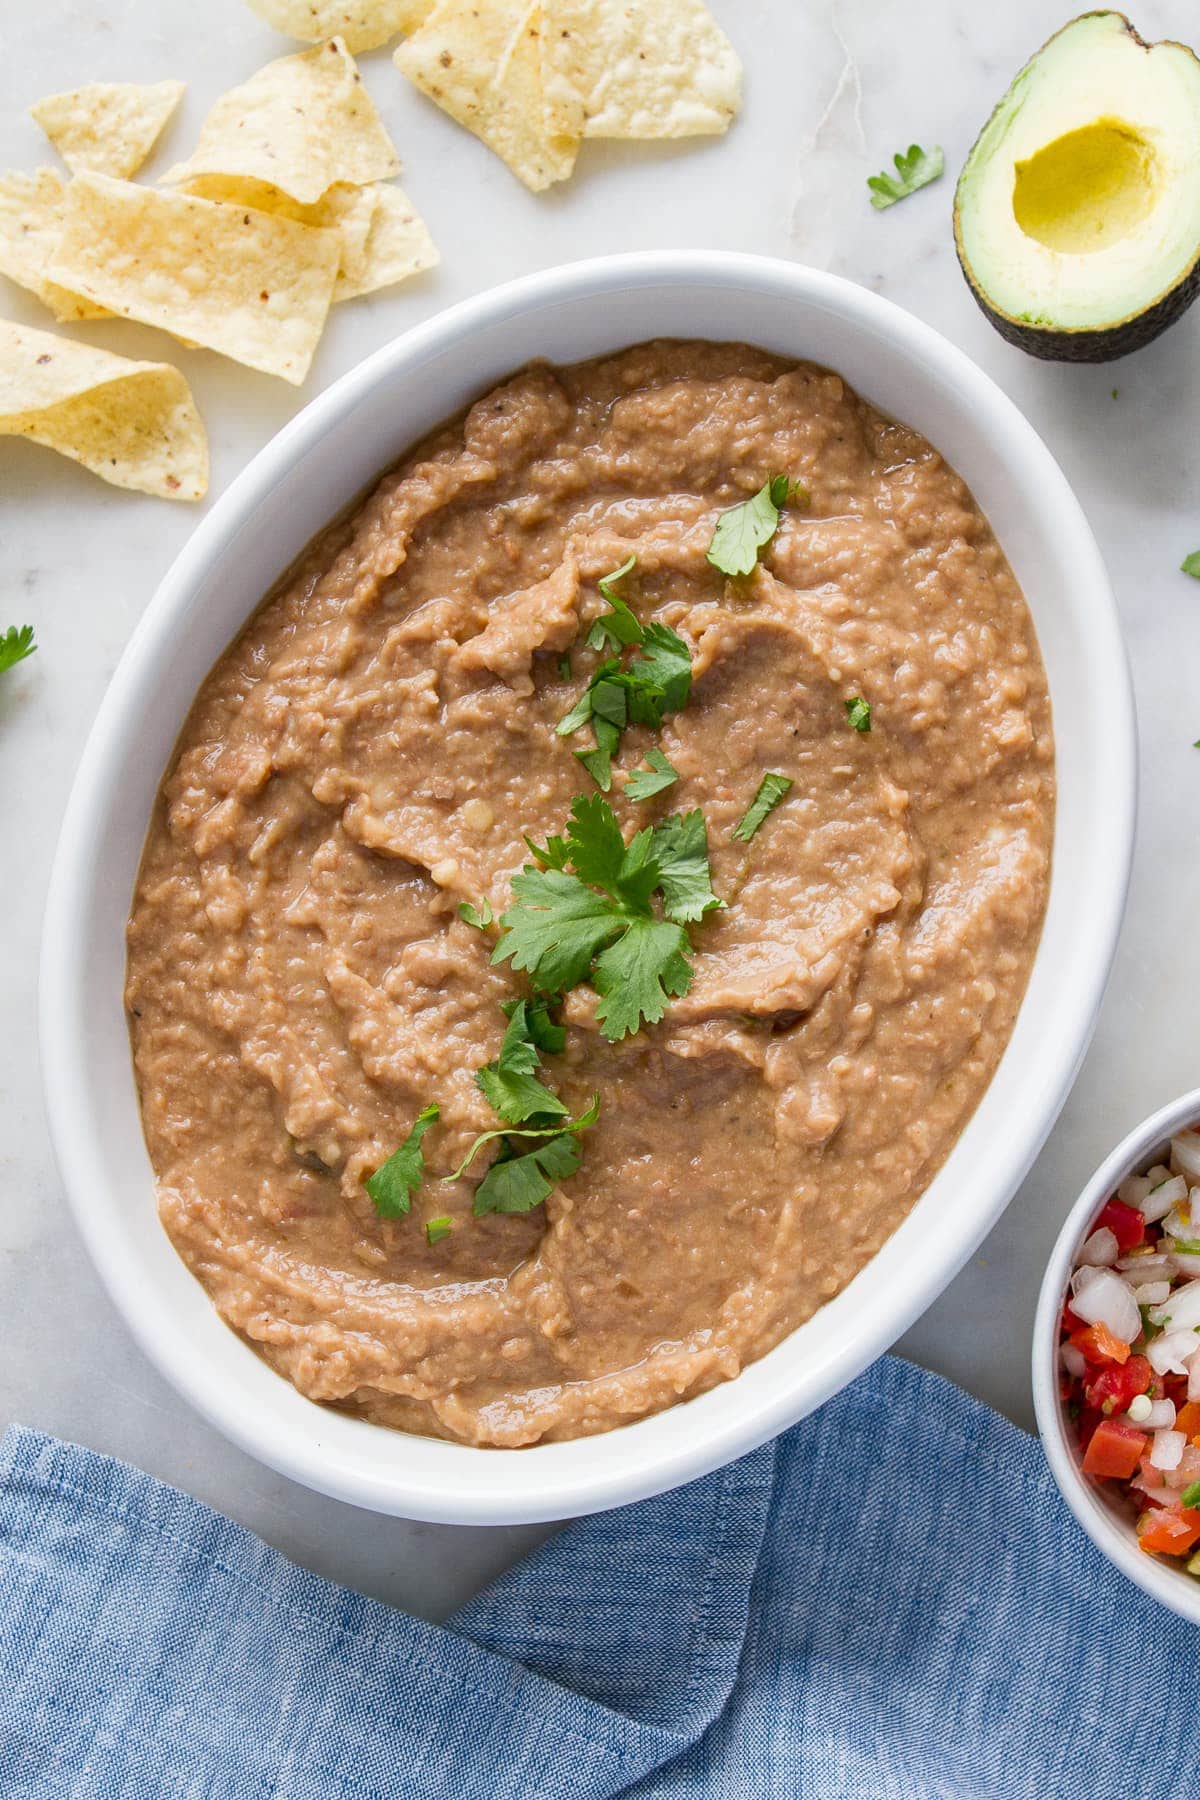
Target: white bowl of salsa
(1112, 1394)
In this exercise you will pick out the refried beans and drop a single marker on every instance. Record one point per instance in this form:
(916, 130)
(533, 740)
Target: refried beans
(372, 751)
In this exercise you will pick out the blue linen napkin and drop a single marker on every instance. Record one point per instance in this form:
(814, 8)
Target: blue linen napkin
(888, 1603)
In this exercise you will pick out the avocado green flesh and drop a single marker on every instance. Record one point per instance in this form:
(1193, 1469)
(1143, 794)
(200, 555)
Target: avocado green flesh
(1077, 214)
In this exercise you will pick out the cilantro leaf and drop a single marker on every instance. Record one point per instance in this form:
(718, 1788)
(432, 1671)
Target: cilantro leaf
(915, 168)
(659, 678)
(561, 930)
(480, 917)
(516, 1184)
(510, 1084)
(392, 1185)
(643, 784)
(553, 854)
(15, 645)
(542, 1030)
(635, 976)
(1190, 566)
(742, 531)
(437, 1229)
(618, 627)
(555, 928)
(1190, 1496)
(771, 790)
(657, 681)
(543, 1128)
(680, 846)
(858, 712)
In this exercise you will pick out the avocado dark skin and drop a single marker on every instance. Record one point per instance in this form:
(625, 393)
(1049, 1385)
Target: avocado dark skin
(1083, 344)
(1091, 345)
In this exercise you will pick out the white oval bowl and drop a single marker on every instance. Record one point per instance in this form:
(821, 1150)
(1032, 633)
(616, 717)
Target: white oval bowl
(312, 469)
(1096, 1508)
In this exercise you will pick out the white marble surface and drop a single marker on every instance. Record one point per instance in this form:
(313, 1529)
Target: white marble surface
(832, 89)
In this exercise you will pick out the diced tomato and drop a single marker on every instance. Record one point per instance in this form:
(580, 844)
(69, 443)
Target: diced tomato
(1099, 1345)
(1126, 1224)
(1069, 1322)
(1111, 1388)
(1085, 1424)
(1114, 1450)
(1187, 1419)
(1175, 1388)
(1165, 1532)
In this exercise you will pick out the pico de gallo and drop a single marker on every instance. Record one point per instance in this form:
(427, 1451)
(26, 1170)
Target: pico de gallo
(1129, 1351)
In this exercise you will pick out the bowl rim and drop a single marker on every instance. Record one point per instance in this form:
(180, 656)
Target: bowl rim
(561, 1490)
(1110, 1534)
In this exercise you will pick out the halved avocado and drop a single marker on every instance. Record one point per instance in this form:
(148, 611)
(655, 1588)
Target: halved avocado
(1077, 214)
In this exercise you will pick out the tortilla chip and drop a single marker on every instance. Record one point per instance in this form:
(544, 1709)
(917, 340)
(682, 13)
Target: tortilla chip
(108, 127)
(364, 24)
(301, 125)
(637, 69)
(248, 284)
(481, 61)
(349, 211)
(132, 423)
(399, 245)
(31, 217)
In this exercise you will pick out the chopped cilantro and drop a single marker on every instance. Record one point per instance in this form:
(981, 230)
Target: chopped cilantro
(1190, 566)
(15, 645)
(1186, 1246)
(642, 691)
(1191, 1495)
(742, 531)
(540, 1127)
(480, 917)
(516, 1183)
(915, 168)
(618, 627)
(437, 1229)
(858, 712)
(771, 790)
(679, 845)
(510, 1084)
(564, 668)
(594, 920)
(643, 784)
(393, 1185)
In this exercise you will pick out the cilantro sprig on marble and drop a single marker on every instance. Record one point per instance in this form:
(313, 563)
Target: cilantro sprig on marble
(743, 531)
(15, 645)
(584, 911)
(915, 168)
(642, 690)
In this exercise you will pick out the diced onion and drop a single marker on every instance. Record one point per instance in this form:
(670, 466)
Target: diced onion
(1159, 1415)
(1133, 1190)
(1181, 1309)
(1167, 1449)
(1100, 1250)
(1162, 1197)
(1073, 1360)
(1147, 1268)
(1188, 1265)
(1152, 1293)
(1185, 1154)
(1140, 1408)
(1099, 1297)
(1194, 1376)
(1168, 1354)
